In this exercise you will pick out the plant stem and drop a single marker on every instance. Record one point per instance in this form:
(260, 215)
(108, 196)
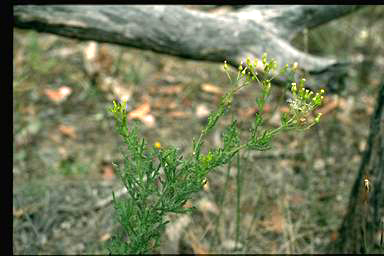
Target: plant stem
(238, 194)
(221, 200)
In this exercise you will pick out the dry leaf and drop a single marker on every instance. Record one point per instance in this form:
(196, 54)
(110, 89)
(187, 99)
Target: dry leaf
(202, 111)
(67, 131)
(334, 235)
(105, 237)
(107, 172)
(188, 204)
(90, 55)
(140, 111)
(118, 89)
(63, 152)
(59, 95)
(90, 51)
(329, 106)
(121, 92)
(276, 220)
(210, 88)
(205, 205)
(267, 108)
(284, 109)
(196, 245)
(65, 91)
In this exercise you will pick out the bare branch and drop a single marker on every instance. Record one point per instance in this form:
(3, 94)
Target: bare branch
(187, 33)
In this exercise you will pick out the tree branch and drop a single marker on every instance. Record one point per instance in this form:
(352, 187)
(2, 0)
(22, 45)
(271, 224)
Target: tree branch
(287, 20)
(187, 33)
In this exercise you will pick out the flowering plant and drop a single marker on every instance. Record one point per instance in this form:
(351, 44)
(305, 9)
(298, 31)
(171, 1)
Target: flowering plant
(161, 180)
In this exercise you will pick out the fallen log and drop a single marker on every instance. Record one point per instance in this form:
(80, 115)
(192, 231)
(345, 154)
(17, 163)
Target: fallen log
(192, 34)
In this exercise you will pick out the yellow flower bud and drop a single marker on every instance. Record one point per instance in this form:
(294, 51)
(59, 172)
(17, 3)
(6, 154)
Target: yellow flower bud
(241, 66)
(255, 62)
(295, 66)
(225, 65)
(264, 58)
(157, 145)
(302, 81)
(248, 61)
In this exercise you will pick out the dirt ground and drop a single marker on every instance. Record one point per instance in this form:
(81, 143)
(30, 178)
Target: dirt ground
(293, 196)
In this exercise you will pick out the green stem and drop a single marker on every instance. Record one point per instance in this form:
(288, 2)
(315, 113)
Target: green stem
(238, 195)
(221, 200)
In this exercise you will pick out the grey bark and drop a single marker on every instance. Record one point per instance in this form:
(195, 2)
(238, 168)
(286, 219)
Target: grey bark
(192, 34)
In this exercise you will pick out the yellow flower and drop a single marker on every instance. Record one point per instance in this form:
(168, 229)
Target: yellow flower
(157, 145)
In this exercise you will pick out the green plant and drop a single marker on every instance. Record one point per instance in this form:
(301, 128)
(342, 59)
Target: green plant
(160, 180)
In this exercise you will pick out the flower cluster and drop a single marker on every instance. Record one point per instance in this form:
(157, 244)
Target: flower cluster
(304, 101)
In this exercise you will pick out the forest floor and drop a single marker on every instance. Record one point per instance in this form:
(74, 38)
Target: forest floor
(64, 142)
